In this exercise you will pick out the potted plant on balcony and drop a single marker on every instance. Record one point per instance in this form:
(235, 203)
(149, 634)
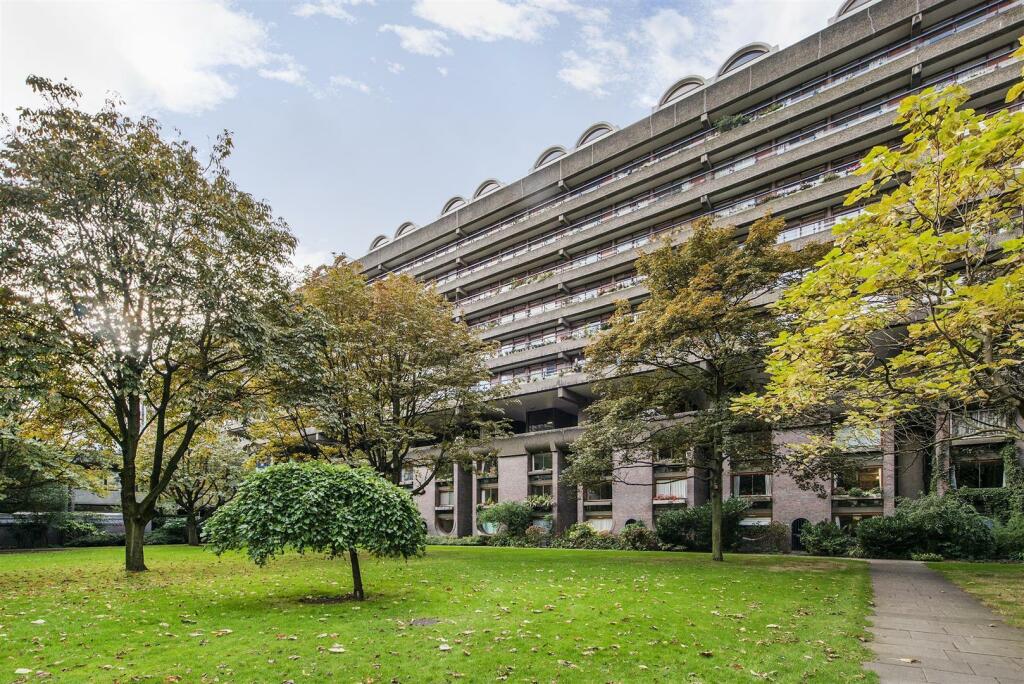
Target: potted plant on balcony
(540, 502)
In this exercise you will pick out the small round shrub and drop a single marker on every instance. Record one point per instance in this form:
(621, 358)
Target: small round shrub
(825, 538)
(771, 538)
(172, 531)
(512, 517)
(71, 527)
(578, 536)
(691, 527)
(636, 537)
(888, 536)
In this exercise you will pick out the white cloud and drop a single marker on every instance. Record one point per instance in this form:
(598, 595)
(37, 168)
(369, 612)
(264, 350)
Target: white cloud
(443, 71)
(287, 70)
(419, 41)
(394, 67)
(487, 20)
(335, 9)
(175, 56)
(341, 81)
(656, 50)
(599, 66)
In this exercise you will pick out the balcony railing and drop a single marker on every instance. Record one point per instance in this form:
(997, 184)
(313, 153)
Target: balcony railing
(812, 87)
(980, 423)
(559, 303)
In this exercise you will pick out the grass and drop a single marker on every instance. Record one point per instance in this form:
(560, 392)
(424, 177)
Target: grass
(1000, 586)
(501, 614)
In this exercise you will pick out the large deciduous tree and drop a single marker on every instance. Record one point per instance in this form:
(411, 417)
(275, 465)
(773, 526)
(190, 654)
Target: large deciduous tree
(377, 370)
(148, 275)
(321, 507)
(918, 311)
(669, 370)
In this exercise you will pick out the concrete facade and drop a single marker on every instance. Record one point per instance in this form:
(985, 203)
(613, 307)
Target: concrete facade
(538, 263)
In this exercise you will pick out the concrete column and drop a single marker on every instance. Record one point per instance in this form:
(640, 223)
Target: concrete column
(633, 496)
(463, 512)
(512, 478)
(888, 470)
(565, 496)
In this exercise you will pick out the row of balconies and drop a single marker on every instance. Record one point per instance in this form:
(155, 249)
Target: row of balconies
(800, 93)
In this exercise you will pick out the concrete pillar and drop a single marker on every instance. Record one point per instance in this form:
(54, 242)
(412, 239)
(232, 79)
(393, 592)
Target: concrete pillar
(565, 496)
(463, 512)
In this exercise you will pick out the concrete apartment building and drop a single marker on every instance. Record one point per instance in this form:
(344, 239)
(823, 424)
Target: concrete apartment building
(537, 264)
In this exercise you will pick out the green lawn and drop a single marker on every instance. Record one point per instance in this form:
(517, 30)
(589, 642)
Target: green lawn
(515, 615)
(1000, 586)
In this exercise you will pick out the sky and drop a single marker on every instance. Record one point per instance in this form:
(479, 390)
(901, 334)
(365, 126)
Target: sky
(351, 117)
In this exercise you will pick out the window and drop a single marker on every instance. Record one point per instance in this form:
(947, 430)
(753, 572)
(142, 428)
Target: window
(541, 489)
(446, 497)
(487, 496)
(540, 462)
(978, 473)
(408, 473)
(866, 479)
(857, 438)
(669, 489)
(600, 524)
(599, 492)
(751, 484)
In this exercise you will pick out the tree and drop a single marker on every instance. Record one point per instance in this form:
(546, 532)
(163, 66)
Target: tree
(377, 370)
(150, 278)
(918, 310)
(206, 477)
(668, 372)
(320, 507)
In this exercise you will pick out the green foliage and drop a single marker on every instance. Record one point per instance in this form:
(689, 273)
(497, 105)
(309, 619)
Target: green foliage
(731, 121)
(150, 282)
(537, 536)
(943, 525)
(926, 557)
(317, 507)
(71, 527)
(919, 306)
(172, 531)
(691, 527)
(825, 538)
(774, 537)
(540, 501)
(583, 536)
(378, 369)
(444, 540)
(1009, 538)
(693, 346)
(513, 517)
(636, 537)
(992, 502)
(98, 539)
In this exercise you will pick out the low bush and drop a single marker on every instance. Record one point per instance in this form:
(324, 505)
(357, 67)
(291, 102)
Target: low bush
(1009, 538)
(825, 538)
(512, 517)
(886, 537)
(98, 539)
(926, 557)
(583, 536)
(771, 538)
(944, 525)
(691, 527)
(636, 537)
(172, 531)
(457, 541)
(71, 527)
(538, 536)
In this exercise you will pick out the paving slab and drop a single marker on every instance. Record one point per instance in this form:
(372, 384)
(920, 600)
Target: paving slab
(927, 629)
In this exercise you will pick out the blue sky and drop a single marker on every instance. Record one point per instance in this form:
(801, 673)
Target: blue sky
(352, 116)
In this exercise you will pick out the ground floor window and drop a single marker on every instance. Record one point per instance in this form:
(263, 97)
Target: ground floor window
(979, 473)
(669, 489)
(850, 522)
(488, 495)
(598, 492)
(600, 524)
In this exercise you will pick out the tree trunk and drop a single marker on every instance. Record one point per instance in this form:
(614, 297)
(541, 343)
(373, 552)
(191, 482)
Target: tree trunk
(716, 514)
(192, 530)
(134, 533)
(357, 578)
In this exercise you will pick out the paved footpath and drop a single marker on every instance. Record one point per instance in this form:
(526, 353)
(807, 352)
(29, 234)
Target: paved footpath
(929, 630)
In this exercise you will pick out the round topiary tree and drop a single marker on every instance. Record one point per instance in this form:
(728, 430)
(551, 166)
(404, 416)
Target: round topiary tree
(318, 507)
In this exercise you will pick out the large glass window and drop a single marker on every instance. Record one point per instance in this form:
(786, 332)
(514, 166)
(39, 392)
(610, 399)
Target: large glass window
(602, 524)
(598, 492)
(752, 484)
(540, 489)
(488, 495)
(864, 479)
(979, 473)
(445, 497)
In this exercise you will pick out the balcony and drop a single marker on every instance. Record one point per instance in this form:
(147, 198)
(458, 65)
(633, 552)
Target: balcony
(984, 424)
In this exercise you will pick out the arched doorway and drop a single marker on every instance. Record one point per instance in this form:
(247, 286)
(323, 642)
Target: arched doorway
(798, 525)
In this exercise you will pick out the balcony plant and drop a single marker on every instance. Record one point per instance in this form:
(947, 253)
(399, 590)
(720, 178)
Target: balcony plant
(540, 502)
